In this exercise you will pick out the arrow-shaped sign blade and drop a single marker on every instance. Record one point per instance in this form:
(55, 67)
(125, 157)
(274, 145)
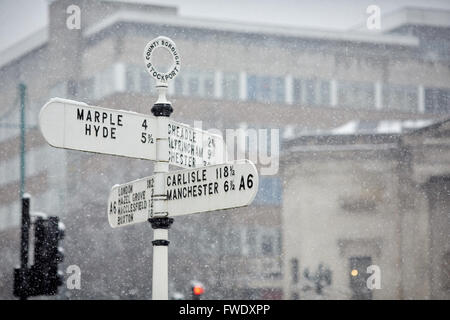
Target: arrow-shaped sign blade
(75, 125)
(194, 148)
(188, 191)
(131, 202)
(211, 188)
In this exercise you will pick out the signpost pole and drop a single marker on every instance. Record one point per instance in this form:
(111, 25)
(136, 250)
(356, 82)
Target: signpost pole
(159, 220)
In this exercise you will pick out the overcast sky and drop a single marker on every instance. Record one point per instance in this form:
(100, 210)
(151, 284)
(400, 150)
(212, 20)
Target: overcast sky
(19, 18)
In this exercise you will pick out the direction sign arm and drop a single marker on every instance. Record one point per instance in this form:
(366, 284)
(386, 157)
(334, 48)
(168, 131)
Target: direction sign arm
(75, 125)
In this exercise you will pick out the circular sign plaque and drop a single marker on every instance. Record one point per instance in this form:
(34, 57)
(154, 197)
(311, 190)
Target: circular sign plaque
(169, 45)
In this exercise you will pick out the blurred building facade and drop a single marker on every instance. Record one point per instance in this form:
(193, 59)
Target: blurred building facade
(366, 197)
(233, 75)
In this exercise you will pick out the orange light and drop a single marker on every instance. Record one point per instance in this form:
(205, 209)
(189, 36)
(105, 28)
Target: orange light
(198, 290)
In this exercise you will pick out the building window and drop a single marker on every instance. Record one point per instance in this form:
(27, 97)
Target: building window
(399, 97)
(311, 91)
(269, 191)
(266, 89)
(261, 241)
(208, 84)
(267, 245)
(297, 90)
(230, 86)
(358, 277)
(325, 94)
(138, 80)
(437, 100)
(280, 90)
(270, 241)
(252, 88)
(193, 86)
(356, 94)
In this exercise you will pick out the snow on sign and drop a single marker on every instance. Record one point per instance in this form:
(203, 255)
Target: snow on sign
(192, 148)
(188, 191)
(78, 126)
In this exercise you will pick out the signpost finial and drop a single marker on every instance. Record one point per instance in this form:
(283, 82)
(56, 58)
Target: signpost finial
(162, 107)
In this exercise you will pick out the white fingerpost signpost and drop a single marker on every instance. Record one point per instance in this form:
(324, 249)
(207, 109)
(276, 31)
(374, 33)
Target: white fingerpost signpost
(207, 183)
(160, 219)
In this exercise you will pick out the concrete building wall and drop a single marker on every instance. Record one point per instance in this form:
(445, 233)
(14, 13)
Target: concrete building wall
(382, 202)
(339, 209)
